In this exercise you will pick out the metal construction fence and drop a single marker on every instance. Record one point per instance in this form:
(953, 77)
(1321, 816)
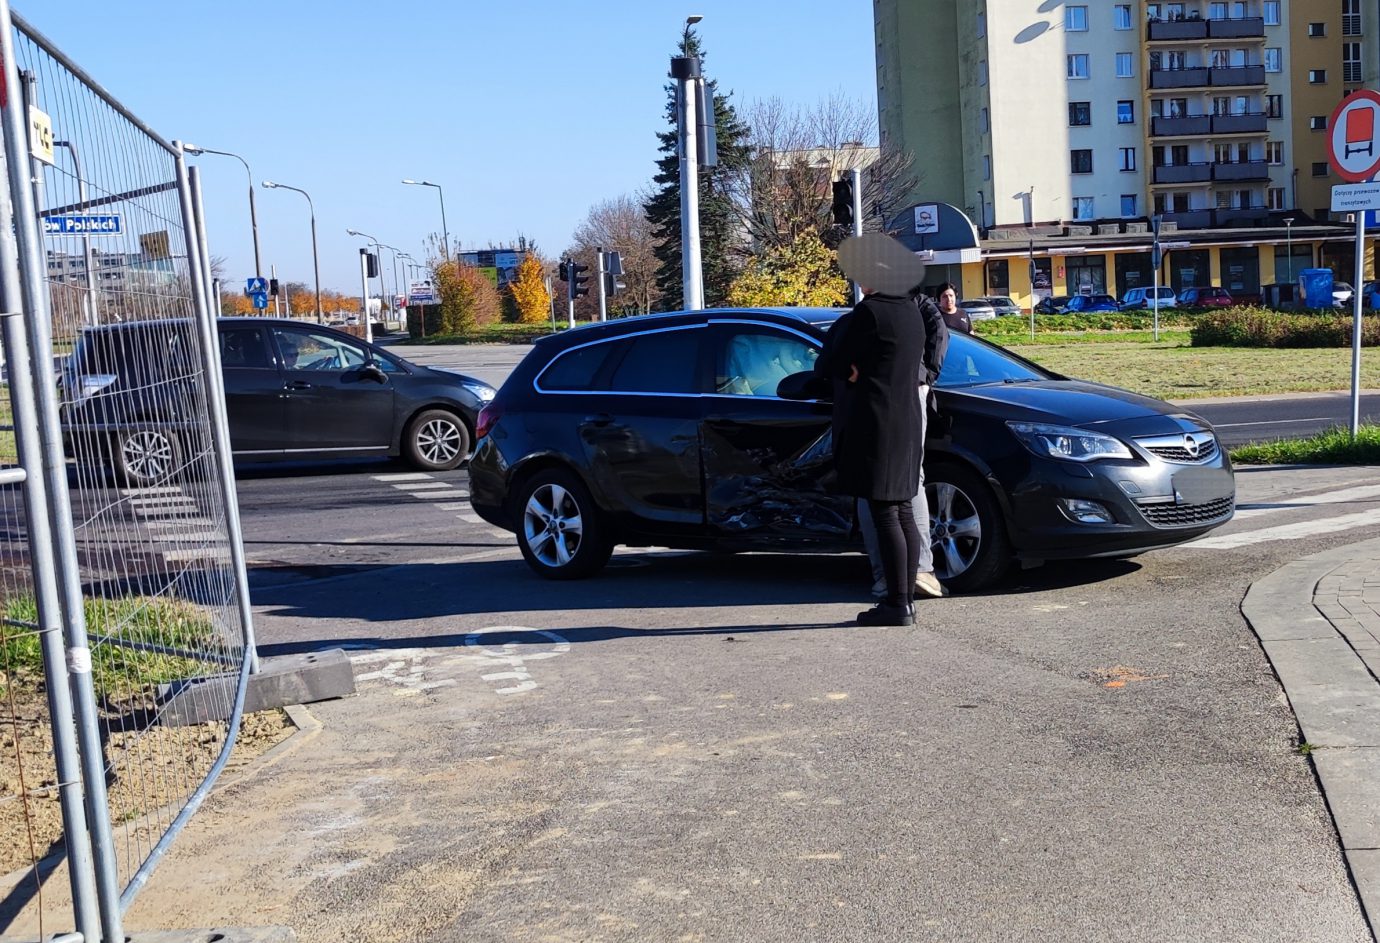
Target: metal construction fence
(125, 635)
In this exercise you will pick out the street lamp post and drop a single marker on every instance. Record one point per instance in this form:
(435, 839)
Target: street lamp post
(253, 214)
(397, 290)
(1289, 251)
(315, 258)
(445, 233)
(686, 72)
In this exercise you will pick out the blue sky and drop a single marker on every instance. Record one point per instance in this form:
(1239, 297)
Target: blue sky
(527, 113)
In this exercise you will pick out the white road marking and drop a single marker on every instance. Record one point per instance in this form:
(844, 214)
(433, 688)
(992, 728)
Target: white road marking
(1328, 525)
(406, 476)
(1289, 502)
(449, 492)
(419, 485)
(453, 507)
(508, 655)
(135, 492)
(471, 518)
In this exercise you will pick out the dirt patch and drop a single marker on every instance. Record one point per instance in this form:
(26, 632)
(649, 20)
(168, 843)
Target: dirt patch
(150, 769)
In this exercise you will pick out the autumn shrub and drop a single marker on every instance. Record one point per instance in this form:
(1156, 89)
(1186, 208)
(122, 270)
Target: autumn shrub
(804, 274)
(1096, 321)
(468, 299)
(530, 302)
(1263, 327)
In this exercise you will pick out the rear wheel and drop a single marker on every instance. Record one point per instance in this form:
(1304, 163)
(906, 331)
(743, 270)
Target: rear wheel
(559, 529)
(145, 457)
(437, 440)
(967, 532)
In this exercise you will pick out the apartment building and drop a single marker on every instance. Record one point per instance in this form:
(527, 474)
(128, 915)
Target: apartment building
(1083, 120)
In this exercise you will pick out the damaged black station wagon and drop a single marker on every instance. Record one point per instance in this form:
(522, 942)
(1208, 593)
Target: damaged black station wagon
(675, 430)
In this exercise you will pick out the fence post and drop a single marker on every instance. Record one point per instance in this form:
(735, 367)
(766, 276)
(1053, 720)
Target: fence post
(220, 423)
(50, 523)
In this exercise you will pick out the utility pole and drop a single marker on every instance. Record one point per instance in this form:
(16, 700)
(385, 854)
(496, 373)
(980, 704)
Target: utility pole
(603, 301)
(686, 71)
(855, 177)
(364, 284)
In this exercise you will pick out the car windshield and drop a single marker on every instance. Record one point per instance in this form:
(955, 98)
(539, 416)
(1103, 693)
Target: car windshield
(1103, 299)
(971, 362)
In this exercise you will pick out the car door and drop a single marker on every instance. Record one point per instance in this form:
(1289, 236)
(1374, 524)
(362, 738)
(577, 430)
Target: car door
(254, 396)
(767, 459)
(640, 430)
(335, 399)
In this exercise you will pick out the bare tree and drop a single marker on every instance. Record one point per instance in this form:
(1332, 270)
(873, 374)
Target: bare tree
(785, 190)
(619, 224)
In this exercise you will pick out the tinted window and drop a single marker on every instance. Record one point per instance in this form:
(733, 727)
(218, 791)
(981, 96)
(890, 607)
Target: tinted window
(244, 347)
(969, 363)
(309, 350)
(575, 369)
(753, 362)
(664, 362)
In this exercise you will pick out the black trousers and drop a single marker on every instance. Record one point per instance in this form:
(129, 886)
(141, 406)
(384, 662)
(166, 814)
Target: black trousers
(899, 545)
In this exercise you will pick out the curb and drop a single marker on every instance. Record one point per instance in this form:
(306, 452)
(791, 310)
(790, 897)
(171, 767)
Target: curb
(1334, 694)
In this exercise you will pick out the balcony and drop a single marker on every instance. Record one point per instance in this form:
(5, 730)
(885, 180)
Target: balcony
(1182, 173)
(1241, 216)
(1239, 75)
(1239, 124)
(1177, 30)
(1242, 170)
(1246, 27)
(1190, 219)
(1182, 124)
(1179, 78)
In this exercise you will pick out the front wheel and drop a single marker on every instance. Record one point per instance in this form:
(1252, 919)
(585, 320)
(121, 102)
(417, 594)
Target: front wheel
(967, 532)
(560, 532)
(145, 457)
(437, 440)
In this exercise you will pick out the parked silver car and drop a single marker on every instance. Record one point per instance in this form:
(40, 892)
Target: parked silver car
(1002, 305)
(978, 309)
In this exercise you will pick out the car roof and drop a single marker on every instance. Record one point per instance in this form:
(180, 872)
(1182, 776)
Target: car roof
(814, 317)
(138, 323)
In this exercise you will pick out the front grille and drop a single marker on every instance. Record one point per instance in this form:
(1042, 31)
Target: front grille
(1184, 515)
(1174, 448)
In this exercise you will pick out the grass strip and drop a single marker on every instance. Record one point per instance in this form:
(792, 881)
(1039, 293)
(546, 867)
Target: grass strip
(1333, 446)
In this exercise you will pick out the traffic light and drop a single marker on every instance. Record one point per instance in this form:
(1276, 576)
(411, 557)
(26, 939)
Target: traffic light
(843, 202)
(578, 288)
(565, 270)
(612, 286)
(273, 287)
(371, 263)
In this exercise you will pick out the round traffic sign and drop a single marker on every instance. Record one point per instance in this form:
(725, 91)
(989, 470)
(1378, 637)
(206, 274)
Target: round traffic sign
(1353, 135)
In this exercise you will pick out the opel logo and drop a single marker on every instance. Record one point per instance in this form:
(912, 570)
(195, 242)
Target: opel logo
(1191, 445)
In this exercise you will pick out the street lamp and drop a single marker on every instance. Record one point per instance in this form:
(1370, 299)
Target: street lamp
(396, 289)
(315, 258)
(445, 234)
(253, 216)
(685, 70)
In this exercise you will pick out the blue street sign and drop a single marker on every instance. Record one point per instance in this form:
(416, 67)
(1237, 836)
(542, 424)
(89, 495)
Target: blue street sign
(256, 286)
(1372, 219)
(260, 298)
(108, 225)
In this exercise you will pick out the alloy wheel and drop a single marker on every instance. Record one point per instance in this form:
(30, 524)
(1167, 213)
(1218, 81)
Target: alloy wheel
(955, 529)
(438, 441)
(552, 525)
(148, 456)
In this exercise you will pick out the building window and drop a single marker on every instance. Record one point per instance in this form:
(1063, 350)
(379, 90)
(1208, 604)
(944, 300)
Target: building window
(1128, 204)
(1121, 16)
(1271, 12)
(986, 166)
(1080, 161)
(982, 72)
(1078, 66)
(1128, 158)
(1317, 76)
(981, 24)
(1274, 198)
(1125, 112)
(1272, 59)
(1351, 17)
(1083, 207)
(1351, 62)
(1274, 106)
(1320, 168)
(1125, 68)
(986, 121)
(1317, 29)
(1317, 123)
(1274, 152)
(1076, 19)
(1217, 11)
(1080, 114)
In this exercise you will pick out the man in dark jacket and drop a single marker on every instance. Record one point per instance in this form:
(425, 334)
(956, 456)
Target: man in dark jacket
(876, 352)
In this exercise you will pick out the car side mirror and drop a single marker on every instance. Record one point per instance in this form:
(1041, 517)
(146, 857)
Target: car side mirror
(374, 372)
(805, 385)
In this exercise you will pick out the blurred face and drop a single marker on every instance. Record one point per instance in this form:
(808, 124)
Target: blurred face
(948, 300)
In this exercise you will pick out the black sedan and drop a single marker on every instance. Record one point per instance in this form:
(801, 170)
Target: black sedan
(671, 430)
(293, 391)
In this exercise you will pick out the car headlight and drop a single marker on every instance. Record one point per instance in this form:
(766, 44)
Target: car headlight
(482, 391)
(1066, 442)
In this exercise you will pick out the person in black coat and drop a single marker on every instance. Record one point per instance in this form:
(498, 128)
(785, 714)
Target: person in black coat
(874, 355)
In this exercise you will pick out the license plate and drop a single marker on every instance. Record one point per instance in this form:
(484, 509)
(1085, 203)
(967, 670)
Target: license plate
(1201, 485)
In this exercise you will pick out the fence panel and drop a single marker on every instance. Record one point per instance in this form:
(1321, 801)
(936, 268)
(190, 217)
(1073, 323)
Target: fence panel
(150, 496)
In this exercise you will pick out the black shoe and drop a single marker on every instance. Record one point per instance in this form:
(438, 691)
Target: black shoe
(883, 614)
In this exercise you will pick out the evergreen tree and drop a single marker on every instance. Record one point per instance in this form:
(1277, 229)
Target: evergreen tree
(720, 234)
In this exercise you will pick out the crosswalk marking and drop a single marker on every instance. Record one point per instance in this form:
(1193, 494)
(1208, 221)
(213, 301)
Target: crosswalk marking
(418, 485)
(1290, 502)
(1327, 525)
(405, 476)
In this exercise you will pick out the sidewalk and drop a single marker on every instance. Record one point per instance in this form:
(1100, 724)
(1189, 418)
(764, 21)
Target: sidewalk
(1318, 620)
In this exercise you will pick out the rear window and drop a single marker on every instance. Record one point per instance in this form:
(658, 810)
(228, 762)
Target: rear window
(139, 352)
(575, 370)
(663, 362)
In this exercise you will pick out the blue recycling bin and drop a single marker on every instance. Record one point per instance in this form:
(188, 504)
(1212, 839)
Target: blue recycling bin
(1315, 288)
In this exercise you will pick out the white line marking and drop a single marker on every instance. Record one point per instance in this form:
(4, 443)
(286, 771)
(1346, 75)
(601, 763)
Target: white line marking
(135, 492)
(432, 495)
(465, 506)
(1289, 502)
(471, 518)
(1328, 525)
(419, 485)
(407, 476)
(1267, 422)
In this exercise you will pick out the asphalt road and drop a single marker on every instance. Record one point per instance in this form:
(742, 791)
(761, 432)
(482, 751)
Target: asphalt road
(1246, 419)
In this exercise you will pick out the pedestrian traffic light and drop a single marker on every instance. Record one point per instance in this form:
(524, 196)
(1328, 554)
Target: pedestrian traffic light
(565, 270)
(371, 263)
(843, 202)
(578, 287)
(612, 286)
(273, 287)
